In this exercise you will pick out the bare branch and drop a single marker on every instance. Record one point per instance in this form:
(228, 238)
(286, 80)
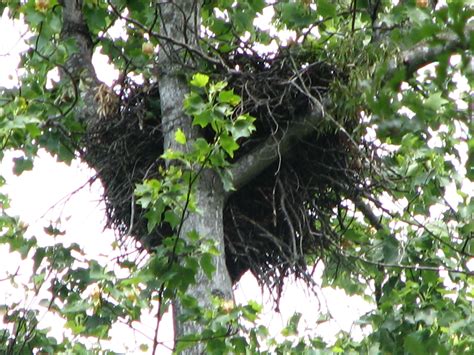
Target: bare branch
(426, 53)
(412, 266)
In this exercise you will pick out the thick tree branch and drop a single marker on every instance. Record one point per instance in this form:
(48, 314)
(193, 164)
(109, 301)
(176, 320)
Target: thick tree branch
(274, 148)
(74, 26)
(426, 53)
(369, 214)
(79, 65)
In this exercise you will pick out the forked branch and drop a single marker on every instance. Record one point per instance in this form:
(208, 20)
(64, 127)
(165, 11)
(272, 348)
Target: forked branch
(275, 148)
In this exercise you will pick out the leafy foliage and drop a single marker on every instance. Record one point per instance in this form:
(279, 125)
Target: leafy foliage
(409, 250)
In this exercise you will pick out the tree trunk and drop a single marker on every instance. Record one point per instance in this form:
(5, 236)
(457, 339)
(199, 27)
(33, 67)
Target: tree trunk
(178, 33)
(208, 224)
(179, 21)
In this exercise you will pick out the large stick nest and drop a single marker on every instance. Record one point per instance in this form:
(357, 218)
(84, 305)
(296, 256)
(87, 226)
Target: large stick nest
(285, 218)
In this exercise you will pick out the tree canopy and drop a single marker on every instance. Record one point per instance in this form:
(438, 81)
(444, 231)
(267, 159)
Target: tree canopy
(225, 147)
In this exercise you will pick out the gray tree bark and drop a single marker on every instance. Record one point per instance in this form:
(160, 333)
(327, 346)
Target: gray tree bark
(179, 23)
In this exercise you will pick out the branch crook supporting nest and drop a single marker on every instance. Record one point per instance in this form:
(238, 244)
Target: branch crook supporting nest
(292, 212)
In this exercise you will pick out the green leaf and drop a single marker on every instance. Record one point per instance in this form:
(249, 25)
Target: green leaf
(202, 148)
(22, 164)
(390, 250)
(240, 344)
(204, 118)
(257, 5)
(199, 80)
(53, 231)
(242, 21)
(34, 17)
(428, 316)
(185, 342)
(172, 218)
(296, 14)
(96, 18)
(19, 122)
(227, 179)
(153, 217)
(217, 87)
(207, 265)
(229, 97)
(292, 326)
(243, 127)
(228, 144)
(38, 257)
(180, 137)
(415, 344)
(326, 8)
(193, 236)
(76, 307)
(435, 101)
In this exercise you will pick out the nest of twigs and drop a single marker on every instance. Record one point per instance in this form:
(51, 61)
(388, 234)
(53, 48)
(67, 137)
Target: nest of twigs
(285, 217)
(124, 150)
